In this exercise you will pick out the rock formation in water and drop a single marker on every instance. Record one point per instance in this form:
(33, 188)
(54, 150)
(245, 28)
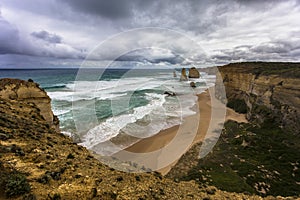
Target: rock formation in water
(183, 76)
(194, 73)
(266, 89)
(29, 92)
(170, 93)
(192, 84)
(37, 162)
(259, 157)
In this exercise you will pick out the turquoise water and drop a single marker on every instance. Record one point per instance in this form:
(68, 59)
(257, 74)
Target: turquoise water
(96, 105)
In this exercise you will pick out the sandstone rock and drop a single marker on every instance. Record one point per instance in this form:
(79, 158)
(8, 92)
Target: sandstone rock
(192, 84)
(29, 92)
(264, 88)
(83, 176)
(183, 76)
(194, 73)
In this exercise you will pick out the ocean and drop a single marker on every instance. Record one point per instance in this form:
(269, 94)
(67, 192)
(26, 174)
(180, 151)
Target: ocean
(95, 106)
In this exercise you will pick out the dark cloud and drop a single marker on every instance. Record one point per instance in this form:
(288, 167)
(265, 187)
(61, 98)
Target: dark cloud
(154, 56)
(112, 9)
(233, 30)
(9, 37)
(273, 50)
(272, 47)
(50, 45)
(170, 60)
(44, 35)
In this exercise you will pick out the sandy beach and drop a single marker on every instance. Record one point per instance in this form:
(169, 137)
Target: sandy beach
(206, 125)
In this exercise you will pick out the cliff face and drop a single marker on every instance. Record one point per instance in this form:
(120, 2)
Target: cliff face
(37, 162)
(29, 92)
(268, 90)
(258, 157)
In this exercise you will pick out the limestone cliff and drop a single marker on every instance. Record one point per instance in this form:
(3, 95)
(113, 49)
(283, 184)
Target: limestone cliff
(259, 157)
(268, 90)
(37, 162)
(29, 92)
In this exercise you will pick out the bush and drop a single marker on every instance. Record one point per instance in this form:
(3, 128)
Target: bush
(16, 185)
(237, 105)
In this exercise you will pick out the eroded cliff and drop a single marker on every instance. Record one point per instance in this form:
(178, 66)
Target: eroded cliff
(29, 92)
(267, 89)
(37, 162)
(259, 157)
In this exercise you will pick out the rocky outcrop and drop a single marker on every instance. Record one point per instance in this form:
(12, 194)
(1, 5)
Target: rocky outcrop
(183, 76)
(29, 92)
(194, 73)
(268, 90)
(36, 162)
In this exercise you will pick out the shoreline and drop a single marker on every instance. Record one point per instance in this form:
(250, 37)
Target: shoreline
(164, 137)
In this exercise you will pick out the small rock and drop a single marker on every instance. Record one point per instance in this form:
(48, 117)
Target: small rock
(192, 84)
(170, 93)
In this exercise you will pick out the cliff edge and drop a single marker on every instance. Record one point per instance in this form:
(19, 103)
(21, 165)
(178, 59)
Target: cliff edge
(262, 156)
(29, 92)
(263, 90)
(37, 162)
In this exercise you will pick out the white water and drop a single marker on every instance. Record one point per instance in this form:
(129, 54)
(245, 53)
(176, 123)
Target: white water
(160, 113)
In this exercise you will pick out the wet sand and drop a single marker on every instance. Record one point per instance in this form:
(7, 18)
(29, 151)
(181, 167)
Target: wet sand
(206, 124)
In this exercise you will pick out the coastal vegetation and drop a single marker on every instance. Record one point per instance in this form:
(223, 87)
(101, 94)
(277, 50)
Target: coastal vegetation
(254, 159)
(261, 156)
(250, 160)
(237, 105)
(38, 162)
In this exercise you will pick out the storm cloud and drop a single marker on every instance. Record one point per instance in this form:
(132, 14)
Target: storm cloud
(8, 37)
(226, 31)
(44, 35)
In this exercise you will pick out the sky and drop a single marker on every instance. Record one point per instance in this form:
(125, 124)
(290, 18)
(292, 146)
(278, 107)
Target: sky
(175, 32)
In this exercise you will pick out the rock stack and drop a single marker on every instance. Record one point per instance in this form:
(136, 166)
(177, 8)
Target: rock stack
(183, 76)
(194, 73)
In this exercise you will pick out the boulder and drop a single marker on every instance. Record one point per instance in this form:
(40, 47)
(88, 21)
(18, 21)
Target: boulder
(183, 76)
(194, 73)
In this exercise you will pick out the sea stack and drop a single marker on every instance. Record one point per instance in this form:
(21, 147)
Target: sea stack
(29, 92)
(183, 76)
(194, 73)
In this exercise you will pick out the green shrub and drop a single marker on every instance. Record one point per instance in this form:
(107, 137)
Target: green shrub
(16, 185)
(237, 105)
